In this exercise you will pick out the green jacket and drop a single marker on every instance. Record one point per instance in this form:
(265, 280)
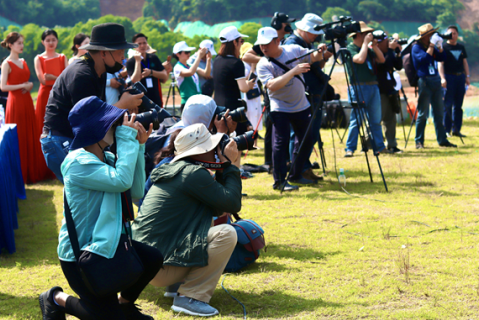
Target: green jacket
(177, 211)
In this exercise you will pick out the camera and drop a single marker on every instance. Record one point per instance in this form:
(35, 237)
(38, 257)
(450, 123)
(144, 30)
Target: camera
(149, 112)
(243, 142)
(445, 36)
(402, 41)
(345, 27)
(172, 76)
(237, 115)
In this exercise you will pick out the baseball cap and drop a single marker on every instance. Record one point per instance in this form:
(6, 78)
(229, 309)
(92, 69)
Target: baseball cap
(265, 35)
(182, 46)
(284, 18)
(208, 44)
(230, 33)
(380, 35)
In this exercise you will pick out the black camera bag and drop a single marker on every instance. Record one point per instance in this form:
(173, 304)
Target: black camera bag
(102, 276)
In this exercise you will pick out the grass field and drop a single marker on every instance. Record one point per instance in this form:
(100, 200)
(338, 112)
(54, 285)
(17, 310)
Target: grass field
(411, 253)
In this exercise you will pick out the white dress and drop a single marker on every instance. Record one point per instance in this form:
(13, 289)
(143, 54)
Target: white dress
(254, 105)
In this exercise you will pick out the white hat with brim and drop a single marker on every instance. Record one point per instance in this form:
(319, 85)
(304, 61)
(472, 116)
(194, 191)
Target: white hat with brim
(309, 21)
(266, 35)
(230, 33)
(194, 140)
(208, 44)
(182, 46)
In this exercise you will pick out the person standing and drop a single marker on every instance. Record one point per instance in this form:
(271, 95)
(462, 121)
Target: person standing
(19, 110)
(80, 40)
(147, 70)
(427, 50)
(206, 81)
(390, 105)
(45, 63)
(363, 73)
(454, 72)
(187, 75)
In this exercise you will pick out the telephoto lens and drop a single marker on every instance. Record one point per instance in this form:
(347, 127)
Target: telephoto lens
(402, 41)
(246, 141)
(238, 115)
(148, 117)
(445, 36)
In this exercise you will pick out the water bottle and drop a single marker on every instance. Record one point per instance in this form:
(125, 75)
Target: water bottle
(342, 178)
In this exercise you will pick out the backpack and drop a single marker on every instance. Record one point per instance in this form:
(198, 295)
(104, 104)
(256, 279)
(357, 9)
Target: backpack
(333, 115)
(408, 65)
(250, 241)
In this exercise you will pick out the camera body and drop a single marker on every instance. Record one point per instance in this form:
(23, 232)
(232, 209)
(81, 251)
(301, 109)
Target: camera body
(339, 29)
(402, 41)
(445, 36)
(149, 112)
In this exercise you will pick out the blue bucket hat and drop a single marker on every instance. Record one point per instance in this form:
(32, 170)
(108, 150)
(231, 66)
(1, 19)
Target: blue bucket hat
(91, 118)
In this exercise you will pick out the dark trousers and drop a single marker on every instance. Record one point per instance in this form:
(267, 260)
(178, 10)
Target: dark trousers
(281, 135)
(90, 307)
(268, 138)
(456, 89)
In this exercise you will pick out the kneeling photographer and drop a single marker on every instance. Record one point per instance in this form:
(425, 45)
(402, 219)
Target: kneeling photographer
(96, 253)
(390, 103)
(176, 216)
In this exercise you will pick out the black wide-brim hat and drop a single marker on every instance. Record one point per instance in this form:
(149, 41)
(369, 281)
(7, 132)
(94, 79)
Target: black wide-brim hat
(108, 37)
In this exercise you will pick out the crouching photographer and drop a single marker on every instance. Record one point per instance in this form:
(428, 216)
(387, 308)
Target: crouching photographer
(96, 253)
(176, 216)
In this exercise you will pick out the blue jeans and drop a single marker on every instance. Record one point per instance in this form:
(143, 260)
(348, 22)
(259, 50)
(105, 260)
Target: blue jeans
(456, 89)
(55, 149)
(371, 102)
(281, 136)
(430, 93)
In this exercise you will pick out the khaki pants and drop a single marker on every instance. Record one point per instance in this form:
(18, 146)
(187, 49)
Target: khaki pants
(200, 282)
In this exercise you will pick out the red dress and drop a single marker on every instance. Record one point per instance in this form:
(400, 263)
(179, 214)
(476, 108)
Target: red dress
(20, 111)
(44, 92)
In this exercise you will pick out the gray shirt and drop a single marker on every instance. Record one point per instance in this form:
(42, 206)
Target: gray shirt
(291, 98)
(201, 65)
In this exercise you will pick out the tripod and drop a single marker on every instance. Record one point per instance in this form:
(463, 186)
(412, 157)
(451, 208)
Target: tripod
(171, 90)
(362, 116)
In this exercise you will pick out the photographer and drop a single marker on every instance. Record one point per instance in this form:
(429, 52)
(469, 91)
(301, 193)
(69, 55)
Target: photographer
(85, 77)
(390, 104)
(289, 106)
(363, 72)
(176, 217)
(454, 72)
(427, 50)
(148, 69)
(187, 75)
(94, 180)
(305, 36)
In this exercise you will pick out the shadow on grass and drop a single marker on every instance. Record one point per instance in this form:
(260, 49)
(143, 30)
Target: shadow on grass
(36, 239)
(297, 252)
(23, 307)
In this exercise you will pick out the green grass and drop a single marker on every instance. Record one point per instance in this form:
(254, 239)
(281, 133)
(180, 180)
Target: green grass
(408, 254)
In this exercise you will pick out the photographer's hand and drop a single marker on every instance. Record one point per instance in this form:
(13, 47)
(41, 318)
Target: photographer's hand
(301, 68)
(129, 122)
(231, 151)
(202, 52)
(368, 38)
(114, 83)
(227, 127)
(143, 135)
(129, 101)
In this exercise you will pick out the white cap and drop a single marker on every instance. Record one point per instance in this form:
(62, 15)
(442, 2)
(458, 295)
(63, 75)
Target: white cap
(208, 44)
(230, 33)
(265, 35)
(182, 46)
(198, 109)
(308, 22)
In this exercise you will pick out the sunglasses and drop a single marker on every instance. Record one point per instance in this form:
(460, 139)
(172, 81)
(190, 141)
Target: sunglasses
(241, 40)
(185, 52)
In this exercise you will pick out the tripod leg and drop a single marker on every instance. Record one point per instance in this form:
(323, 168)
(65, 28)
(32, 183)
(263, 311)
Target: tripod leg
(413, 121)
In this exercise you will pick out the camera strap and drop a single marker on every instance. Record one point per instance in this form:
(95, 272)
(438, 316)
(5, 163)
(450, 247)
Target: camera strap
(286, 69)
(213, 165)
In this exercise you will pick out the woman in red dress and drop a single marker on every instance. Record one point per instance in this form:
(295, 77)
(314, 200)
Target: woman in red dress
(44, 63)
(14, 79)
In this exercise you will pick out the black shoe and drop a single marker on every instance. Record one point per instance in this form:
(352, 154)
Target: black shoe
(419, 145)
(287, 187)
(447, 144)
(315, 165)
(50, 310)
(132, 312)
(394, 150)
(458, 134)
(302, 181)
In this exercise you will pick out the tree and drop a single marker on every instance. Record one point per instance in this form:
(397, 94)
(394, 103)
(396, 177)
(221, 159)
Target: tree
(446, 19)
(334, 11)
(250, 29)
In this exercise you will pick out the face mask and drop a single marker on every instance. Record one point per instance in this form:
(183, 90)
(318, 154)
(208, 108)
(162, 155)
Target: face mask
(117, 67)
(109, 137)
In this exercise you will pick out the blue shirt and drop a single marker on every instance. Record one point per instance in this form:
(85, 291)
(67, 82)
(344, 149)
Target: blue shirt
(423, 61)
(93, 191)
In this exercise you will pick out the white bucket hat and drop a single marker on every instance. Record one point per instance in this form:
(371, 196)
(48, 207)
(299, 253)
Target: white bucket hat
(208, 44)
(182, 46)
(265, 35)
(230, 33)
(194, 140)
(309, 21)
